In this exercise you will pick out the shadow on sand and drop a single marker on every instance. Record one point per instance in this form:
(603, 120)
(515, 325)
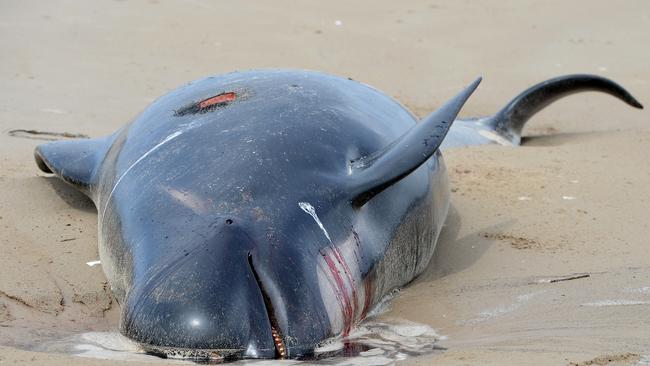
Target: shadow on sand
(558, 139)
(70, 195)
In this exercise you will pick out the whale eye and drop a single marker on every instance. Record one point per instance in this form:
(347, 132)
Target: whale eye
(208, 104)
(228, 221)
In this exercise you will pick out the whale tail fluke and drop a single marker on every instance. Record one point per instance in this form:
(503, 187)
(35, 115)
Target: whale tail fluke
(510, 120)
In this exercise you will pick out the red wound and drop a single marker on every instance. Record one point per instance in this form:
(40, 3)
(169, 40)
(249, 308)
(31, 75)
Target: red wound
(207, 105)
(218, 99)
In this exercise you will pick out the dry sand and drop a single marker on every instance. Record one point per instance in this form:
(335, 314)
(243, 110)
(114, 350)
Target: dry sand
(88, 67)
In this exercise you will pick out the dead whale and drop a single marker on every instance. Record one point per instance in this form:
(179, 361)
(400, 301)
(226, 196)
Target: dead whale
(256, 214)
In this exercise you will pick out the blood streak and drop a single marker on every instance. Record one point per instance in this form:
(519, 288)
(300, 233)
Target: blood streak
(335, 288)
(345, 297)
(348, 273)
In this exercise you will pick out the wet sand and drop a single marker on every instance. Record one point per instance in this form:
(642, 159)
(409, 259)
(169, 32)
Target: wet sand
(572, 201)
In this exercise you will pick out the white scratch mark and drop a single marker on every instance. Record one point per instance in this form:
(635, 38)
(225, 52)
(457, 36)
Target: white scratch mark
(372, 352)
(642, 290)
(503, 309)
(167, 139)
(53, 110)
(616, 303)
(568, 198)
(524, 198)
(93, 263)
(308, 208)
(493, 136)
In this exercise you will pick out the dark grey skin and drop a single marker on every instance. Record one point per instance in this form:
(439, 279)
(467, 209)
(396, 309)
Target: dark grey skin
(257, 214)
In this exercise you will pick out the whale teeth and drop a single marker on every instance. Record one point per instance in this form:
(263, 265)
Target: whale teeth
(279, 345)
(280, 349)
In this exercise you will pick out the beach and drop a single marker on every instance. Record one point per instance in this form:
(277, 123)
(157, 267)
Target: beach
(543, 259)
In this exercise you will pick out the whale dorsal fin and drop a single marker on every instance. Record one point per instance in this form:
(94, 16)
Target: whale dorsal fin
(378, 171)
(74, 161)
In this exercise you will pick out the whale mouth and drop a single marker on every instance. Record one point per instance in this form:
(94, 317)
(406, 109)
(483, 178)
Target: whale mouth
(212, 355)
(203, 355)
(280, 347)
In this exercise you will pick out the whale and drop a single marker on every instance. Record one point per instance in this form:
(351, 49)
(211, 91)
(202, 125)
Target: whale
(258, 214)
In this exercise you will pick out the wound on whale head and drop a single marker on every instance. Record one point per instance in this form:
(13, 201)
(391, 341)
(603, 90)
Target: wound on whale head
(208, 104)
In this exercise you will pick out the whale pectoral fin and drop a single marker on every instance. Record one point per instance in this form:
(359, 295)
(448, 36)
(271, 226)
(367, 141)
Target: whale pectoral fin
(74, 161)
(378, 171)
(510, 120)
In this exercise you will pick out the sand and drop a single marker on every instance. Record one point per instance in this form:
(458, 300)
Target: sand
(572, 201)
